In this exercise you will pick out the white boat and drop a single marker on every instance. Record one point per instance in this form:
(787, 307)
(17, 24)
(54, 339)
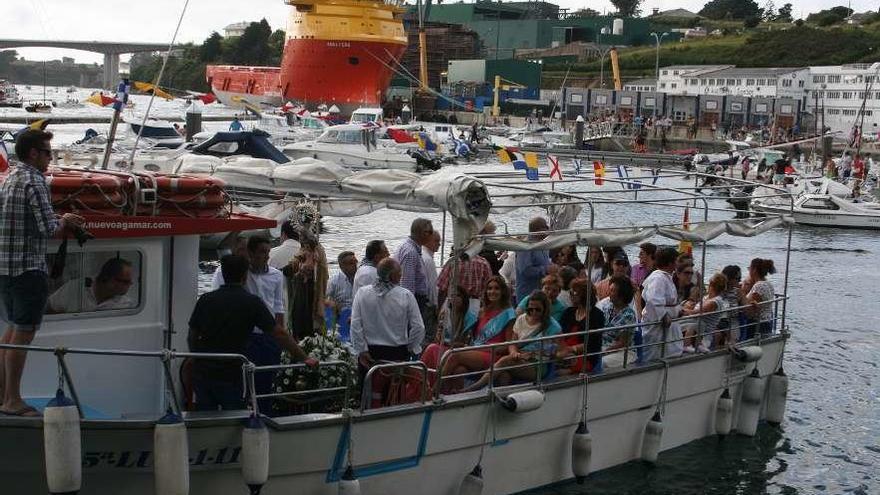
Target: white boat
(124, 370)
(820, 202)
(9, 96)
(303, 129)
(356, 147)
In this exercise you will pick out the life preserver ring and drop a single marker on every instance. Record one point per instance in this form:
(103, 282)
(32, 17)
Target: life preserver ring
(67, 181)
(113, 200)
(183, 183)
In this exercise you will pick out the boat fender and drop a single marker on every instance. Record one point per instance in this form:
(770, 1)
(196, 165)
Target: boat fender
(63, 445)
(651, 441)
(724, 414)
(171, 466)
(581, 452)
(255, 454)
(777, 394)
(749, 354)
(750, 405)
(472, 484)
(348, 484)
(525, 401)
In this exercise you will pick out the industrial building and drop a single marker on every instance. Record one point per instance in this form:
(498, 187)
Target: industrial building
(836, 94)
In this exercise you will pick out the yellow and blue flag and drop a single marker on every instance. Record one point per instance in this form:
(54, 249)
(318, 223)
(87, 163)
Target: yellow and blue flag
(532, 169)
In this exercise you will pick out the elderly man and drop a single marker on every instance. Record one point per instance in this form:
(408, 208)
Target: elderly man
(409, 255)
(366, 273)
(107, 291)
(339, 290)
(385, 320)
(660, 304)
(27, 222)
(532, 266)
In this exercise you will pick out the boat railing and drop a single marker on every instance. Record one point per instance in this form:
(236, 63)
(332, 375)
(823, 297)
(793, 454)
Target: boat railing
(275, 368)
(398, 368)
(547, 344)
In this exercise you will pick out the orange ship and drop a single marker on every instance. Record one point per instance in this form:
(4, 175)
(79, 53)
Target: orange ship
(337, 52)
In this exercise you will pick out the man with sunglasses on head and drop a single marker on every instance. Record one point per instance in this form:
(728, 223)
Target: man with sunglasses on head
(27, 222)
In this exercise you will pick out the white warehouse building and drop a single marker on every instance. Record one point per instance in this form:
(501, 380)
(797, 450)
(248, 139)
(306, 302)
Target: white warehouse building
(840, 90)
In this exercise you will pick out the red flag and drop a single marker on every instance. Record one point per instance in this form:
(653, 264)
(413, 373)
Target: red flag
(598, 172)
(400, 136)
(555, 172)
(4, 158)
(207, 98)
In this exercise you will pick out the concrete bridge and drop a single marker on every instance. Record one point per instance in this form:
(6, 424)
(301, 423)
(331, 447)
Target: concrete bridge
(110, 49)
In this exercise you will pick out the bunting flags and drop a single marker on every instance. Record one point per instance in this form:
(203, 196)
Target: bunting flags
(598, 172)
(507, 155)
(4, 157)
(100, 99)
(151, 89)
(686, 246)
(578, 163)
(555, 172)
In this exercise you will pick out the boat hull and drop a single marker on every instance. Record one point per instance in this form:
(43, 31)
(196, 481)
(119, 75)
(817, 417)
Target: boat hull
(353, 159)
(348, 74)
(823, 219)
(424, 449)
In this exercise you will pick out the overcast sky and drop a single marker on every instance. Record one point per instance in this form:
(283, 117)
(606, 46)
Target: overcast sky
(154, 21)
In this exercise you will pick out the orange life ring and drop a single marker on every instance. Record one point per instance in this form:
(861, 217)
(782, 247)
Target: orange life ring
(72, 181)
(182, 183)
(89, 200)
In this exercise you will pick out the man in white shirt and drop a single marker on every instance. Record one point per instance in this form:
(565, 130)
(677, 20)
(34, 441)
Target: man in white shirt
(280, 256)
(107, 291)
(429, 317)
(660, 298)
(339, 289)
(385, 321)
(366, 273)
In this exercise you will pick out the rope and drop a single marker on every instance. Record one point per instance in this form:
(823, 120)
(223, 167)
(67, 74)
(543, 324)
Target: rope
(158, 80)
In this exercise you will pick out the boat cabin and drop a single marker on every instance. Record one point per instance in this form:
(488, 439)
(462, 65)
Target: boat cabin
(367, 115)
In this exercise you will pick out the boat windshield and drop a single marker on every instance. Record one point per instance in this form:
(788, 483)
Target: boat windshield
(344, 137)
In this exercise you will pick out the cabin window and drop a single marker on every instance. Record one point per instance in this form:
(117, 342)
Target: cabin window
(95, 281)
(222, 148)
(820, 204)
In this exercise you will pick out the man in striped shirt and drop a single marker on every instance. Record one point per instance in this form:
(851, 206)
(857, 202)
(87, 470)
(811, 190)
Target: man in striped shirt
(27, 222)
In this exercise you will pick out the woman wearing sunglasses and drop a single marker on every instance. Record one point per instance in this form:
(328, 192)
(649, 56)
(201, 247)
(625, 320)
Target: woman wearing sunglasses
(575, 321)
(535, 322)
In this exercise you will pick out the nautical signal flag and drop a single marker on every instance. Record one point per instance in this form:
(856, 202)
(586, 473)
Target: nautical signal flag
(532, 169)
(425, 142)
(599, 172)
(506, 155)
(555, 171)
(686, 246)
(578, 163)
(4, 158)
(526, 161)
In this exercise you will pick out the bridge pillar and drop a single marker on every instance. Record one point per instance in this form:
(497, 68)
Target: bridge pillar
(111, 70)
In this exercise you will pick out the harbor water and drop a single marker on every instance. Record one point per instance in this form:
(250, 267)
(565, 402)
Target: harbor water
(830, 439)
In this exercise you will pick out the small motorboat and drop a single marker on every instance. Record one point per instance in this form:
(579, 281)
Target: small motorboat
(820, 202)
(38, 107)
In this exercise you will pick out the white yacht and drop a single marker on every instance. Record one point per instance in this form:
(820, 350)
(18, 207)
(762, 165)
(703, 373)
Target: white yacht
(356, 147)
(820, 202)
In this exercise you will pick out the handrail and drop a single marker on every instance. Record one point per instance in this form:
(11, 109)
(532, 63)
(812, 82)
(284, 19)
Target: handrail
(491, 347)
(368, 379)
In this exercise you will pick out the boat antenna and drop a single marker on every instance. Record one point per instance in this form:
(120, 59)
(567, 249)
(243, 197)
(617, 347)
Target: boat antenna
(157, 81)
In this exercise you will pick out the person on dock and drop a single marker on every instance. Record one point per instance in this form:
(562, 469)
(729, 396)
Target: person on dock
(27, 222)
(236, 126)
(222, 322)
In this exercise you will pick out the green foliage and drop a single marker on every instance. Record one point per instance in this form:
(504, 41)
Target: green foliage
(784, 14)
(751, 21)
(627, 8)
(829, 17)
(582, 13)
(258, 45)
(730, 9)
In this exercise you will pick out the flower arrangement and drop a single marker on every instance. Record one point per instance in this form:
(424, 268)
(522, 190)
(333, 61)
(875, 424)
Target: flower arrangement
(323, 348)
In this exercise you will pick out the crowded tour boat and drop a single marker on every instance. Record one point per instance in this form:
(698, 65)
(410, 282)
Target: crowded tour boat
(109, 380)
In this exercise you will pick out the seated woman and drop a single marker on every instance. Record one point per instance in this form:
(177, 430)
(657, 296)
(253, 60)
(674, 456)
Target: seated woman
(492, 326)
(453, 328)
(618, 311)
(702, 332)
(551, 286)
(536, 322)
(576, 320)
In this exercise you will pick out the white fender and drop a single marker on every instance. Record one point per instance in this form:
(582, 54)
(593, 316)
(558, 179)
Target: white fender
(349, 485)
(581, 452)
(750, 405)
(724, 414)
(255, 454)
(749, 354)
(652, 438)
(472, 484)
(777, 394)
(525, 401)
(63, 445)
(171, 454)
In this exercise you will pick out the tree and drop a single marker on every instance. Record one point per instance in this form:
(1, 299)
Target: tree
(730, 9)
(212, 48)
(751, 21)
(784, 14)
(829, 17)
(769, 12)
(627, 8)
(582, 13)
(253, 46)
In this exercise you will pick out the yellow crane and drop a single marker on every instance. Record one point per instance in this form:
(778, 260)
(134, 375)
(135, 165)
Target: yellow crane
(615, 69)
(496, 110)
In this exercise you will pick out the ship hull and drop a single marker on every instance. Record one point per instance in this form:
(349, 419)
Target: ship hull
(348, 74)
(236, 86)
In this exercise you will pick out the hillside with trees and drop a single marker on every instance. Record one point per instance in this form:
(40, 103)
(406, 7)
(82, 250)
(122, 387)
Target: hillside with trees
(259, 45)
